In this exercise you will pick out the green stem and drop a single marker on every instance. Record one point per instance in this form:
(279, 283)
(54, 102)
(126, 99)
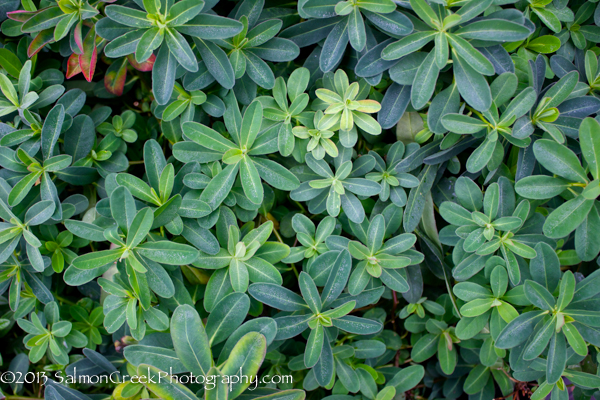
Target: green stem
(301, 207)
(295, 271)
(278, 236)
(59, 298)
(450, 293)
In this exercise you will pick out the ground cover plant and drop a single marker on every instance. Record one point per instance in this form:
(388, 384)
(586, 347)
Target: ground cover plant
(361, 199)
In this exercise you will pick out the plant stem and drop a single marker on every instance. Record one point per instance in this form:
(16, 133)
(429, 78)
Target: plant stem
(278, 236)
(295, 271)
(301, 207)
(59, 298)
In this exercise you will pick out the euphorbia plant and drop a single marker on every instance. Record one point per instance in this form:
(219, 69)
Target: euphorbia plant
(242, 156)
(145, 31)
(246, 258)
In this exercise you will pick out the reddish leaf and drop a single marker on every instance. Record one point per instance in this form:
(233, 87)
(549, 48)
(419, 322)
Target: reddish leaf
(77, 36)
(87, 60)
(144, 66)
(43, 38)
(20, 15)
(73, 66)
(114, 79)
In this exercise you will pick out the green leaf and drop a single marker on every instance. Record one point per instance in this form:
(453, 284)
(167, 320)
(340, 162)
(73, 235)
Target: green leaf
(310, 293)
(259, 71)
(567, 290)
(545, 267)
(476, 307)
(158, 357)
(275, 174)
(140, 227)
(518, 330)
(10, 62)
(190, 340)
(520, 105)
(340, 311)
(455, 214)
(219, 390)
(448, 357)
(559, 160)
(64, 26)
(583, 379)
(39, 213)
(356, 30)
(169, 253)
(220, 186)
(207, 137)
(209, 27)
(277, 297)
(541, 187)
(544, 44)
(538, 295)
(157, 383)
(471, 84)
(470, 55)
(151, 6)
(137, 187)
(97, 259)
(44, 19)
(227, 315)
(567, 217)
(163, 75)
(183, 11)
(8, 90)
(425, 12)
(441, 50)
(425, 348)
(217, 62)
(417, 198)
(407, 45)
(51, 130)
(539, 339)
(85, 230)
(492, 29)
(149, 42)
(425, 80)
(549, 19)
(338, 276)
(589, 138)
(238, 274)
(575, 339)
(357, 325)
(128, 16)
(561, 90)
(407, 378)
(181, 50)
(557, 357)
(245, 358)
(314, 346)
(251, 181)
(122, 207)
(477, 379)
(462, 124)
